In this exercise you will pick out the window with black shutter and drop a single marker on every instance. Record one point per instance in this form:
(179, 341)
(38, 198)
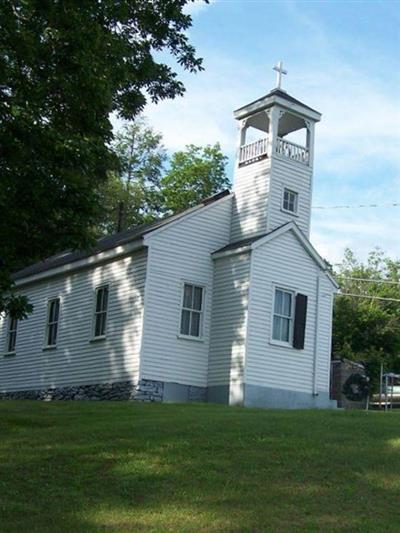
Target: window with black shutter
(282, 326)
(300, 318)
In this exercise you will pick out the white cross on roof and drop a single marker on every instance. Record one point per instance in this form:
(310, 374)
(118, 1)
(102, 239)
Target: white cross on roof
(279, 71)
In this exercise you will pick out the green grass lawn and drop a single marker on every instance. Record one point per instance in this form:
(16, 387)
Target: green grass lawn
(83, 466)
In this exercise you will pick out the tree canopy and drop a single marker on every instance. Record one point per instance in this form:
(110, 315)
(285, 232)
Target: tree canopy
(368, 329)
(149, 184)
(194, 174)
(132, 195)
(64, 68)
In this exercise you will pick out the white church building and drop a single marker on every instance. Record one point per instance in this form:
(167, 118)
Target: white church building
(226, 302)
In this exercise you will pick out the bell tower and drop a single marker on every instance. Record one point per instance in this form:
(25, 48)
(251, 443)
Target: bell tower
(274, 164)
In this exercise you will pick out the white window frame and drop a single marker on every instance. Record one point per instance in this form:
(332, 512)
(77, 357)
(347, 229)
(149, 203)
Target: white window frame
(296, 204)
(48, 346)
(180, 335)
(8, 336)
(292, 292)
(95, 337)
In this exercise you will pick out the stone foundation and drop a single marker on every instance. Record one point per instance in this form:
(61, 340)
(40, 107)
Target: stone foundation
(146, 390)
(197, 394)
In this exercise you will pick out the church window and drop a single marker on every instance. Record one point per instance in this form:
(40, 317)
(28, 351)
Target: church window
(53, 315)
(192, 310)
(12, 335)
(283, 316)
(290, 200)
(100, 312)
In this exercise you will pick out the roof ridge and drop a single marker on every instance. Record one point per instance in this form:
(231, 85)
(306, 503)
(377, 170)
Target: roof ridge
(108, 242)
(282, 94)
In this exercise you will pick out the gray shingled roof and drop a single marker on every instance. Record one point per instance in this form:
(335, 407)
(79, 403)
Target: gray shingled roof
(240, 244)
(249, 240)
(111, 241)
(281, 94)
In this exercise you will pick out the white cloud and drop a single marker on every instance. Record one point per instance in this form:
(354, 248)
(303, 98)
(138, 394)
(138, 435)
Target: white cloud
(359, 131)
(205, 114)
(359, 229)
(360, 123)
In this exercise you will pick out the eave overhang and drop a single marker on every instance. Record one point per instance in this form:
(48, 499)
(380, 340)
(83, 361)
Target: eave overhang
(257, 241)
(277, 98)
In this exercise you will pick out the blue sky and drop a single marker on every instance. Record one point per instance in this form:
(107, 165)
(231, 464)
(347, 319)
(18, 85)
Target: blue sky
(343, 59)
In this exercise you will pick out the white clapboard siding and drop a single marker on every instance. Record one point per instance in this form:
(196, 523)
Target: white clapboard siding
(324, 334)
(76, 360)
(249, 207)
(181, 252)
(294, 176)
(284, 262)
(228, 328)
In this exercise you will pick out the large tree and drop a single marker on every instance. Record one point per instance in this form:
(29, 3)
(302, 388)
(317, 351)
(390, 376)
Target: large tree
(142, 190)
(194, 174)
(64, 67)
(132, 195)
(366, 325)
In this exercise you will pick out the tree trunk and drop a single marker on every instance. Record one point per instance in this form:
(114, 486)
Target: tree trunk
(120, 219)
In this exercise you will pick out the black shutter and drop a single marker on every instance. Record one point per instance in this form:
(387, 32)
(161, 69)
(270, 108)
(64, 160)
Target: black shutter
(300, 318)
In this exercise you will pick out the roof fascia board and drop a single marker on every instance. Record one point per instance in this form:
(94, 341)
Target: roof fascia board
(92, 260)
(292, 226)
(332, 280)
(292, 106)
(273, 234)
(110, 254)
(148, 236)
(278, 100)
(236, 251)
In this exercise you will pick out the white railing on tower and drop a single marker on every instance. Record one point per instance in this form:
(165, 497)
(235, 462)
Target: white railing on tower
(250, 152)
(293, 151)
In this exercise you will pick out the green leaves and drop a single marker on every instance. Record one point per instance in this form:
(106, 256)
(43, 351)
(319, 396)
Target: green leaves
(194, 174)
(11, 304)
(64, 68)
(141, 190)
(131, 195)
(365, 328)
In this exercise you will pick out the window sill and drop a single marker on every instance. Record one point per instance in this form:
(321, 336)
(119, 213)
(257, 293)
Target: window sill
(190, 338)
(282, 344)
(9, 354)
(287, 212)
(49, 348)
(98, 339)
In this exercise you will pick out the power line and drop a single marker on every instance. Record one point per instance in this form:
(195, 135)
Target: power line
(394, 204)
(374, 280)
(368, 297)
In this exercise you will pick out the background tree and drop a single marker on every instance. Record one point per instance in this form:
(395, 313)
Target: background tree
(64, 67)
(132, 195)
(367, 329)
(194, 174)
